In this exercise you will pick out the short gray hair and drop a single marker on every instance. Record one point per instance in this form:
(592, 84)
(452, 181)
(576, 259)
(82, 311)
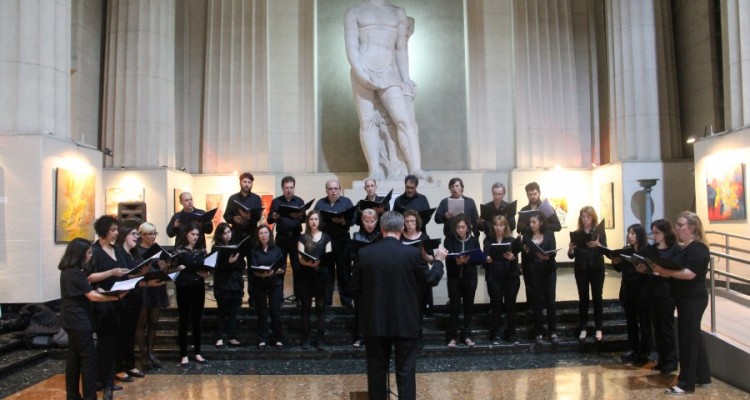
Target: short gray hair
(499, 185)
(392, 222)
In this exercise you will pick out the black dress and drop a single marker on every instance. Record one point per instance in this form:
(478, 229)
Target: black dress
(152, 297)
(503, 281)
(313, 283)
(462, 285)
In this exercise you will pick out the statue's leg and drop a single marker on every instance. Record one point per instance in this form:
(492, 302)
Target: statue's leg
(369, 137)
(408, 137)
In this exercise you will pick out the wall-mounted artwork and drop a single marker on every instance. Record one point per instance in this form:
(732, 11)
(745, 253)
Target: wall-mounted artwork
(266, 199)
(216, 201)
(607, 204)
(725, 192)
(115, 195)
(560, 204)
(177, 205)
(75, 201)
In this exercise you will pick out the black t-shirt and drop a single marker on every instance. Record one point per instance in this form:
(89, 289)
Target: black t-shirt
(695, 257)
(75, 312)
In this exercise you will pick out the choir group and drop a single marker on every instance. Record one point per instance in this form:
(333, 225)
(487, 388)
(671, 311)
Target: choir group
(656, 278)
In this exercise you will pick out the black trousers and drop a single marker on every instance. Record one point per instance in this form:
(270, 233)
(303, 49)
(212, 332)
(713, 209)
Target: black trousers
(461, 295)
(313, 284)
(503, 293)
(543, 286)
(590, 277)
(634, 299)
(288, 245)
(80, 364)
(190, 302)
(226, 323)
(268, 298)
(341, 270)
(378, 352)
(662, 318)
(108, 326)
(129, 309)
(694, 366)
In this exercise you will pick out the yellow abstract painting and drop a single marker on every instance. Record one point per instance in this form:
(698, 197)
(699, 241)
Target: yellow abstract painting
(74, 205)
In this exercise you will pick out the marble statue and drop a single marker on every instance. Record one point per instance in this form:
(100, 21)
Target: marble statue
(376, 37)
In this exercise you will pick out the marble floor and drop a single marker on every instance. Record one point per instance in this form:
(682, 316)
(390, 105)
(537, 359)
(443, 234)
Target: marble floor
(577, 378)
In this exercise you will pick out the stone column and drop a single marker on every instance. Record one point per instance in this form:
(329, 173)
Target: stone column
(644, 116)
(35, 67)
(548, 131)
(235, 108)
(735, 33)
(138, 120)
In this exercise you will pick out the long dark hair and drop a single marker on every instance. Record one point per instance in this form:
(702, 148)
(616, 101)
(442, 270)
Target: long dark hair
(640, 235)
(271, 242)
(75, 254)
(542, 221)
(219, 232)
(665, 227)
(199, 245)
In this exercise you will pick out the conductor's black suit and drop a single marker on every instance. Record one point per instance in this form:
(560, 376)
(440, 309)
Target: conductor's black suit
(386, 284)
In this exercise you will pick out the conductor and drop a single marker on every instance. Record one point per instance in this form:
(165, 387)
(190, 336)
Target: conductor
(386, 284)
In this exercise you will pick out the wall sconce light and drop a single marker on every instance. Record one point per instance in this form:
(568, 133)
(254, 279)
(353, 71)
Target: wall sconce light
(108, 152)
(707, 131)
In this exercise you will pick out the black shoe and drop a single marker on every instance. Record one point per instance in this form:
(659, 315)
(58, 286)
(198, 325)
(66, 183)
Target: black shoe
(155, 362)
(107, 395)
(116, 387)
(628, 356)
(136, 374)
(126, 378)
(512, 340)
(305, 343)
(496, 341)
(641, 358)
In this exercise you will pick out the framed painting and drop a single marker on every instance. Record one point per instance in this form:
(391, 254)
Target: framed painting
(75, 201)
(607, 204)
(560, 204)
(725, 192)
(215, 201)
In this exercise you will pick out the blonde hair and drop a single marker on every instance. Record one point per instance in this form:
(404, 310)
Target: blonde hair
(694, 220)
(592, 213)
(145, 228)
(369, 212)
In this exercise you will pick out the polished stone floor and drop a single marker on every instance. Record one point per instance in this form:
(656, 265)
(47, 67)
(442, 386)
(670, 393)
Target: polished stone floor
(547, 376)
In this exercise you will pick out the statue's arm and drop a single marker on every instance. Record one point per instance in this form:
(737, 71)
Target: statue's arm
(351, 40)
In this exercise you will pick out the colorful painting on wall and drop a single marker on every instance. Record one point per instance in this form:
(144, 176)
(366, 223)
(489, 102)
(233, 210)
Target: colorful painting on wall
(266, 199)
(560, 204)
(725, 192)
(75, 201)
(607, 204)
(215, 201)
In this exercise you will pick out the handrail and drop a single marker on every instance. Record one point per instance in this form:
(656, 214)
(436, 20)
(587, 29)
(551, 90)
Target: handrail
(731, 235)
(727, 274)
(727, 266)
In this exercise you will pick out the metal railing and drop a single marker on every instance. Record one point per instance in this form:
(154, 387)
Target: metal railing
(728, 248)
(727, 267)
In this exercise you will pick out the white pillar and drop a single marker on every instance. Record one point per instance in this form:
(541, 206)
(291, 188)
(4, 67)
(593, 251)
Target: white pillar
(548, 132)
(644, 115)
(35, 67)
(138, 120)
(735, 33)
(235, 120)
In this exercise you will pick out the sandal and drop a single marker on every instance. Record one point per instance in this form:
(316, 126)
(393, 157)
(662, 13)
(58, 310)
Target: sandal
(452, 344)
(676, 390)
(469, 342)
